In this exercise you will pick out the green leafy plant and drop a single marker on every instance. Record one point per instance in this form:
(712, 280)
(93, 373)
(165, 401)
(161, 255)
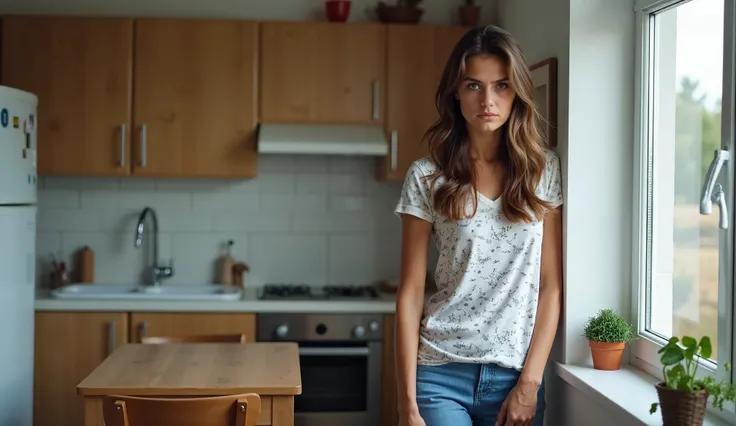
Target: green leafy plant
(680, 363)
(608, 327)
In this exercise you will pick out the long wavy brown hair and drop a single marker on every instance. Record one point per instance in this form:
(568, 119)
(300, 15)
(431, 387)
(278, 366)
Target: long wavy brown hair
(521, 141)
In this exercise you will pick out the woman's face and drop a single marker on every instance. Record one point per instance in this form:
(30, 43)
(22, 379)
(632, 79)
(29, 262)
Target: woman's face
(485, 94)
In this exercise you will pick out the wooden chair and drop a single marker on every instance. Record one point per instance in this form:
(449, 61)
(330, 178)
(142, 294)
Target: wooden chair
(206, 338)
(229, 410)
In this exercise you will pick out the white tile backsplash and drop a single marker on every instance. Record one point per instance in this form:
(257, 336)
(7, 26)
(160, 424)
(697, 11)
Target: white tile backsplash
(303, 219)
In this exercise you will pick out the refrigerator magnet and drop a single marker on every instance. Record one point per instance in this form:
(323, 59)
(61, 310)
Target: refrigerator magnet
(4, 117)
(16, 122)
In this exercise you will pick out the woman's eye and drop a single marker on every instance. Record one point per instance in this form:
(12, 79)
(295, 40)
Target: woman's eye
(473, 86)
(502, 86)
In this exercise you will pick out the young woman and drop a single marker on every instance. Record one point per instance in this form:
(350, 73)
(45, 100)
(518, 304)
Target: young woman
(488, 196)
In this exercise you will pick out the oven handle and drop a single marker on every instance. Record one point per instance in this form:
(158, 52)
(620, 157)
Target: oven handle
(334, 351)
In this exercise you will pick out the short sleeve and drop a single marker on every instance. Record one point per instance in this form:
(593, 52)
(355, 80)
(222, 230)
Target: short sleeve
(415, 195)
(553, 180)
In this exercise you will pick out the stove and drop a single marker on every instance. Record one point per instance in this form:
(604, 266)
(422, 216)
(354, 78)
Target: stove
(328, 292)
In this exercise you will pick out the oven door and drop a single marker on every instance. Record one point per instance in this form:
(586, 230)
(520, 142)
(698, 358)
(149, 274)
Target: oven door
(340, 384)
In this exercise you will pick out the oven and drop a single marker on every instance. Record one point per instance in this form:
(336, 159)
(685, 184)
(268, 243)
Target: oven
(340, 361)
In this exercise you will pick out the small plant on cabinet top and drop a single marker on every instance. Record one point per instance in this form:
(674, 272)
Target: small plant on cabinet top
(607, 334)
(682, 396)
(410, 3)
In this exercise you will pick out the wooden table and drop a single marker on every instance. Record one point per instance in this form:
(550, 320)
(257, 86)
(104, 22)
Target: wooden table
(199, 369)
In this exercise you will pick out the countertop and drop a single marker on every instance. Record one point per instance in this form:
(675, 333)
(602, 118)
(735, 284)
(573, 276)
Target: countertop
(211, 369)
(248, 303)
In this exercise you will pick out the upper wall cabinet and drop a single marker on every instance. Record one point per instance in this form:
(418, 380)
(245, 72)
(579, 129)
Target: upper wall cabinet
(416, 58)
(194, 105)
(195, 98)
(80, 69)
(315, 72)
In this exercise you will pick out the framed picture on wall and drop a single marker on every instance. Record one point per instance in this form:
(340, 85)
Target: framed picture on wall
(544, 75)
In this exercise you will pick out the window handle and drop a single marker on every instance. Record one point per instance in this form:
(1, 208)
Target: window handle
(720, 156)
(719, 197)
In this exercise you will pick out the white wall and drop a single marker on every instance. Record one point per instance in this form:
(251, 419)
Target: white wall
(594, 43)
(310, 220)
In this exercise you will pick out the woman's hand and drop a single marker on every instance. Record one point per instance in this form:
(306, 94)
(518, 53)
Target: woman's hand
(411, 419)
(520, 406)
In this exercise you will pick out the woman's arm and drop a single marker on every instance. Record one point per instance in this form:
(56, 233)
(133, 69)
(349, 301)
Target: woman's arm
(550, 300)
(415, 234)
(521, 404)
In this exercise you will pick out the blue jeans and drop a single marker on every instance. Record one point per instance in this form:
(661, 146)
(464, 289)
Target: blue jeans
(462, 394)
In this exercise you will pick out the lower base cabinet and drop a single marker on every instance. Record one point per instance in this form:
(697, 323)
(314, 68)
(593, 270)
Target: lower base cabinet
(389, 395)
(70, 345)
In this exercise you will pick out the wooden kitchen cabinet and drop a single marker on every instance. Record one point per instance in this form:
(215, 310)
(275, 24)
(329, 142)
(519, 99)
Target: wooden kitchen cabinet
(68, 347)
(80, 69)
(318, 72)
(389, 395)
(178, 324)
(144, 97)
(416, 57)
(195, 98)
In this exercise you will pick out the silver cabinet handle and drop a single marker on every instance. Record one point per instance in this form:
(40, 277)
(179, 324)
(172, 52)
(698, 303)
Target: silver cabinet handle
(143, 329)
(111, 337)
(376, 99)
(143, 145)
(720, 156)
(122, 145)
(394, 149)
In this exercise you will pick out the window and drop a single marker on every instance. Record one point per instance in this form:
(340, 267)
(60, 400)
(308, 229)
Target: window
(684, 257)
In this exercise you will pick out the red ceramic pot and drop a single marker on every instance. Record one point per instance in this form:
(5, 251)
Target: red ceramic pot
(337, 10)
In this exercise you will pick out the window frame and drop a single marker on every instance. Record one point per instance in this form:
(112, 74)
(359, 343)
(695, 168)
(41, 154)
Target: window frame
(643, 354)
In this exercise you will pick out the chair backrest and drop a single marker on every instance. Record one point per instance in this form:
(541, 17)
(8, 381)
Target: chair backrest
(229, 410)
(202, 338)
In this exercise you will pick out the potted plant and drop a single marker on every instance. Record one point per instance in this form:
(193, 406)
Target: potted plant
(405, 11)
(607, 334)
(682, 396)
(469, 13)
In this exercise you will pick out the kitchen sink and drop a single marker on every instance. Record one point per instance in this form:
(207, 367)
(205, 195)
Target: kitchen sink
(196, 292)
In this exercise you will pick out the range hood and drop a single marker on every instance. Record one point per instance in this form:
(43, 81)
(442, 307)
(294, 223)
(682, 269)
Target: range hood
(321, 139)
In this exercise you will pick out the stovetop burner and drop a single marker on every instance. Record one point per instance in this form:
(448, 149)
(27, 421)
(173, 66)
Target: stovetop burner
(305, 292)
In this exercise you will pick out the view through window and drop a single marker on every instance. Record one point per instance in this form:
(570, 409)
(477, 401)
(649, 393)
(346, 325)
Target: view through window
(686, 66)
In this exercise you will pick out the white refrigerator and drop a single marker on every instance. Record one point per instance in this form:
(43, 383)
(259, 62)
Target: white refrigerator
(18, 179)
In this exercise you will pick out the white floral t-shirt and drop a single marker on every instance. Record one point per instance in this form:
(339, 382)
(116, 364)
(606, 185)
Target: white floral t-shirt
(487, 274)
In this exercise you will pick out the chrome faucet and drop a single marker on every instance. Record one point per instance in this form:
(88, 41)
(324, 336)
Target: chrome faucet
(158, 271)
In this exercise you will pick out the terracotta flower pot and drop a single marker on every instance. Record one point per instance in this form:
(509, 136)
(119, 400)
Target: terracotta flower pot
(680, 408)
(469, 15)
(606, 356)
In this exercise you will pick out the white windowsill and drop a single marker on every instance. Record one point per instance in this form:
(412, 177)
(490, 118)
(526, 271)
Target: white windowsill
(627, 391)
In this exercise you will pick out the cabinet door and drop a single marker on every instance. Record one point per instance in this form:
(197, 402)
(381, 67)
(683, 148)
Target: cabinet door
(187, 324)
(69, 346)
(389, 395)
(416, 58)
(80, 69)
(322, 72)
(195, 98)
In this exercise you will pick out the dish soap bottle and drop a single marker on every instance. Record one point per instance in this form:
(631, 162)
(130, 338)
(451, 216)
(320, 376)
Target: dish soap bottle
(226, 266)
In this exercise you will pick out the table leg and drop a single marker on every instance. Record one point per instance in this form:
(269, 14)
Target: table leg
(282, 412)
(93, 411)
